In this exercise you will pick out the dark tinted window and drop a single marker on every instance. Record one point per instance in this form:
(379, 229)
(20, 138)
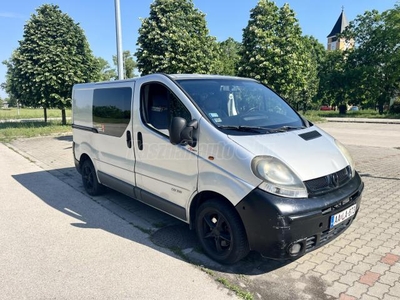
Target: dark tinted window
(112, 110)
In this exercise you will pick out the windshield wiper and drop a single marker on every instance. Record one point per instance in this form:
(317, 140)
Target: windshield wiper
(287, 128)
(257, 129)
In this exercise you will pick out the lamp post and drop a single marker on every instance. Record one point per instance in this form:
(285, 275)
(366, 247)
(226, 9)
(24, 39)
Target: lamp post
(120, 63)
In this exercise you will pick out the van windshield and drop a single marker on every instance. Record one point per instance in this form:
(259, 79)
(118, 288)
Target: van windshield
(242, 105)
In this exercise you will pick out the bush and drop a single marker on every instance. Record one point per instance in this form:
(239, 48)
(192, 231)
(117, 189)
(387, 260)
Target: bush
(395, 108)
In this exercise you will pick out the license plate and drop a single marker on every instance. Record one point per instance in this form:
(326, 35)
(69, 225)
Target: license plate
(343, 215)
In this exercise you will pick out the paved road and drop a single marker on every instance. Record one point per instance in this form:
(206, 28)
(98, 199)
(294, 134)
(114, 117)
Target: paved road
(363, 263)
(365, 134)
(56, 243)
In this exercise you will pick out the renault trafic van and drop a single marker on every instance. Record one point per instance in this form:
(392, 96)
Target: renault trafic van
(226, 155)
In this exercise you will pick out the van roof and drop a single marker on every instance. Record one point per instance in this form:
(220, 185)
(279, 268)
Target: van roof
(202, 76)
(172, 76)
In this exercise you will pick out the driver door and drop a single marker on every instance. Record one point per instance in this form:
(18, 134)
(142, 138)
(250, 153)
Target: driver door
(166, 174)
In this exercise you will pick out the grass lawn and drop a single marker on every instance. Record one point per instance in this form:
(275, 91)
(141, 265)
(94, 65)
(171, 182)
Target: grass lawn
(367, 113)
(29, 113)
(13, 130)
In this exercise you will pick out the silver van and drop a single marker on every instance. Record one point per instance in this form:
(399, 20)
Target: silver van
(226, 155)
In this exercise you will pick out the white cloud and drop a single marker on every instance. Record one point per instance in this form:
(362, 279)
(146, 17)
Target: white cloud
(11, 15)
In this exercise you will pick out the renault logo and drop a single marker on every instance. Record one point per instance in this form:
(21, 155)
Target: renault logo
(335, 180)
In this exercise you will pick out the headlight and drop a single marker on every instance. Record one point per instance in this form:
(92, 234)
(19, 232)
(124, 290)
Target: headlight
(278, 178)
(348, 157)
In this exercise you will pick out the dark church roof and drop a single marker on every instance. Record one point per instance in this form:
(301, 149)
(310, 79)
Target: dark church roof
(340, 25)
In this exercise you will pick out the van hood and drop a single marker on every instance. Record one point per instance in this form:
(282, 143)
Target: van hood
(310, 153)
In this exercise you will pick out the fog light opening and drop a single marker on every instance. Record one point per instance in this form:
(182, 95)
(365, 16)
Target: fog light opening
(295, 249)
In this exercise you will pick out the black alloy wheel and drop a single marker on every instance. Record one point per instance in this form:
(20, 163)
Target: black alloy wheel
(89, 179)
(221, 232)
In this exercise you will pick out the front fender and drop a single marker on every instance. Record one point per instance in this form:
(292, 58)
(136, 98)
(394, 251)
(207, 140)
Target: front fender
(216, 179)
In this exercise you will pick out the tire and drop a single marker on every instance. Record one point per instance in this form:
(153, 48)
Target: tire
(89, 179)
(221, 232)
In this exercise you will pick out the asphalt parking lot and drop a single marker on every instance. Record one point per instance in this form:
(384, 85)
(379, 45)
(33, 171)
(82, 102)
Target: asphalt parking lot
(363, 263)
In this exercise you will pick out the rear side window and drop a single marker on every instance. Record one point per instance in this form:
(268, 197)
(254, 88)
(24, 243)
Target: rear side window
(112, 110)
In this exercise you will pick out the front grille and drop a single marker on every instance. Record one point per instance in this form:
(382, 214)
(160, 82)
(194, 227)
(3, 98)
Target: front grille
(317, 184)
(329, 182)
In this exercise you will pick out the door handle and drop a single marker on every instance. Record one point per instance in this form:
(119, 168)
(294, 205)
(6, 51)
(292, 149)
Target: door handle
(140, 140)
(129, 139)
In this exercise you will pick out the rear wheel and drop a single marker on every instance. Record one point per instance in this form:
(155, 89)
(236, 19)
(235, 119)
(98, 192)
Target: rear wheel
(221, 232)
(89, 179)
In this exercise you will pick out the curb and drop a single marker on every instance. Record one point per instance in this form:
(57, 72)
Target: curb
(363, 120)
(32, 120)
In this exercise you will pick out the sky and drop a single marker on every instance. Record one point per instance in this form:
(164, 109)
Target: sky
(225, 18)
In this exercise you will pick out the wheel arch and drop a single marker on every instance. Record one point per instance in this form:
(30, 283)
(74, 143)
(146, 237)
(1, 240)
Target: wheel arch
(199, 199)
(84, 157)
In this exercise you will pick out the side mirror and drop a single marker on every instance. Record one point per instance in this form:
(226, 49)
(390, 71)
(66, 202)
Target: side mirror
(182, 132)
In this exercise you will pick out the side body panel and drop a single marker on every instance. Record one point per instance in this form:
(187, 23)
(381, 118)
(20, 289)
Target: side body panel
(109, 153)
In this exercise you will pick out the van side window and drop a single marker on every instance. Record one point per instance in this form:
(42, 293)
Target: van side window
(112, 110)
(159, 105)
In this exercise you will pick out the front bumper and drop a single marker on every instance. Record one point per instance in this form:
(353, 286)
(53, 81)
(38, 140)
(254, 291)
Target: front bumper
(274, 223)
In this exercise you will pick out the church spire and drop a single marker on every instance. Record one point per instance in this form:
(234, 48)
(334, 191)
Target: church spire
(340, 25)
(334, 43)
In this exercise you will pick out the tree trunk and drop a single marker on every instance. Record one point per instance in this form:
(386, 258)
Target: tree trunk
(45, 114)
(380, 108)
(304, 107)
(63, 117)
(381, 102)
(342, 109)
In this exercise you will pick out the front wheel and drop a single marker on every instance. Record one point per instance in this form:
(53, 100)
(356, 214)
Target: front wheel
(221, 232)
(89, 179)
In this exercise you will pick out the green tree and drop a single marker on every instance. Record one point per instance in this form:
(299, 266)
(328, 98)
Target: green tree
(230, 56)
(375, 61)
(275, 52)
(318, 57)
(8, 86)
(52, 56)
(129, 64)
(106, 72)
(12, 101)
(175, 39)
(311, 57)
(333, 84)
(258, 44)
(318, 51)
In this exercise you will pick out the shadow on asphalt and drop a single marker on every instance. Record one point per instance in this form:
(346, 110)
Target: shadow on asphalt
(165, 234)
(67, 138)
(378, 177)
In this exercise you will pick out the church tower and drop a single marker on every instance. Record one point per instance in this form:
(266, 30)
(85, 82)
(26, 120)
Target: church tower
(339, 44)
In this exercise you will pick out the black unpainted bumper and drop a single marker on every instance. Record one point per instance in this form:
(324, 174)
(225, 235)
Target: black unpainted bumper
(274, 223)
